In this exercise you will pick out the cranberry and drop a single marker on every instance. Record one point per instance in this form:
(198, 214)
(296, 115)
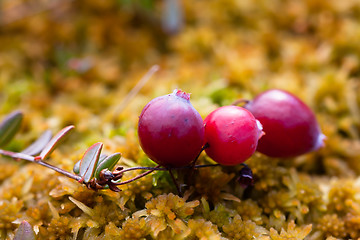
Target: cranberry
(171, 131)
(291, 127)
(232, 134)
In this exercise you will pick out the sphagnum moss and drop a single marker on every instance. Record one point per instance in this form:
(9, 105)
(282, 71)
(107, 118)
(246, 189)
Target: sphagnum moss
(63, 68)
(239, 229)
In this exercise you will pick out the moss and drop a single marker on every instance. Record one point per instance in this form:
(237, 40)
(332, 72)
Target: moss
(250, 210)
(210, 182)
(63, 68)
(239, 229)
(342, 195)
(169, 210)
(202, 229)
(292, 232)
(332, 225)
(134, 228)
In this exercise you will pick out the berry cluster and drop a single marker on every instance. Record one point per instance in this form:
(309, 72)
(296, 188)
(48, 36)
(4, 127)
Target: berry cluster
(172, 133)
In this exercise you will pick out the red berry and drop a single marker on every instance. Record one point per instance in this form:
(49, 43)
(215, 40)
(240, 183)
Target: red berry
(171, 131)
(291, 127)
(232, 134)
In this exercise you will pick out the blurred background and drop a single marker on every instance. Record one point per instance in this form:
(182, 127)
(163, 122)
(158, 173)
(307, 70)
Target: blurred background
(74, 61)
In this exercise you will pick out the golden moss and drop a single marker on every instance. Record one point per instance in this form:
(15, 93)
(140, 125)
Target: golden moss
(134, 228)
(8, 169)
(292, 232)
(130, 191)
(169, 210)
(342, 195)
(210, 182)
(332, 225)
(64, 68)
(202, 229)
(267, 172)
(220, 215)
(9, 212)
(58, 228)
(239, 229)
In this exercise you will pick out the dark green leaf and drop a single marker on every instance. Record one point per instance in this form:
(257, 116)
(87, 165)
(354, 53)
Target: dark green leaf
(109, 163)
(25, 232)
(76, 168)
(89, 161)
(37, 146)
(9, 127)
(55, 141)
(102, 158)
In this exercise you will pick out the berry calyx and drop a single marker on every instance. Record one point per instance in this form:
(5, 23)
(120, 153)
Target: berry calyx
(232, 134)
(290, 125)
(171, 131)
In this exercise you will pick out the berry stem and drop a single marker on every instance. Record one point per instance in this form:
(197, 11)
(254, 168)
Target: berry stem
(175, 182)
(166, 169)
(138, 176)
(192, 165)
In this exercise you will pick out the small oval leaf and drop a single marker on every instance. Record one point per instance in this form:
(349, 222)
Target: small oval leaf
(89, 161)
(10, 126)
(25, 232)
(37, 146)
(76, 168)
(102, 158)
(109, 163)
(55, 141)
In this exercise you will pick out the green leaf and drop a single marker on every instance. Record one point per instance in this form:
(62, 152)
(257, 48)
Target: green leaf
(55, 141)
(25, 232)
(37, 146)
(76, 168)
(89, 161)
(10, 126)
(109, 163)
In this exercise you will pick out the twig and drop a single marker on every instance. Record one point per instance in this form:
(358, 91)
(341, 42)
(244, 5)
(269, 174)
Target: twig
(32, 159)
(136, 89)
(240, 101)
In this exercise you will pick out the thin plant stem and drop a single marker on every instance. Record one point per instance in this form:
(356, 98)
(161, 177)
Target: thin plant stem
(136, 89)
(166, 169)
(17, 155)
(197, 157)
(240, 101)
(137, 177)
(32, 159)
(174, 181)
(59, 170)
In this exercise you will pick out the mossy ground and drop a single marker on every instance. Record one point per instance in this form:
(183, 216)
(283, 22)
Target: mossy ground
(74, 62)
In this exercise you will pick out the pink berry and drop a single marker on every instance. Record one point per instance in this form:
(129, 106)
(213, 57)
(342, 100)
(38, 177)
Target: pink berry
(232, 134)
(171, 131)
(291, 127)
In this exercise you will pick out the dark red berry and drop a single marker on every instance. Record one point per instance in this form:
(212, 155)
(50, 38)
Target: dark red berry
(290, 125)
(171, 131)
(232, 134)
